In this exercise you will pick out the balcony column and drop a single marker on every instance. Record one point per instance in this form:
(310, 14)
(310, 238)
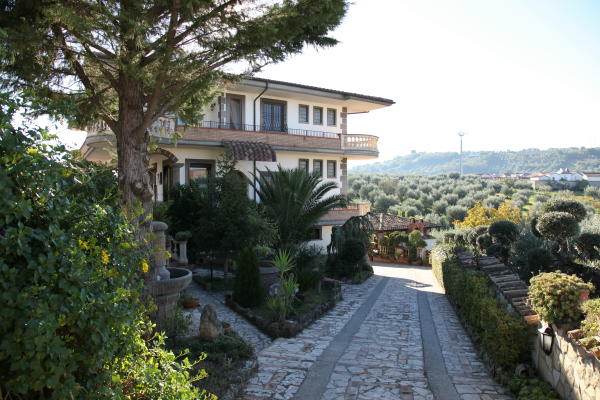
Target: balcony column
(344, 175)
(223, 110)
(344, 118)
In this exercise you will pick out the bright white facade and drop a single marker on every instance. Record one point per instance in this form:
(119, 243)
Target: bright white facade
(267, 123)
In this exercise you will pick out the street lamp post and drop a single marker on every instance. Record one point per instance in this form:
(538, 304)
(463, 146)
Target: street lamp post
(461, 134)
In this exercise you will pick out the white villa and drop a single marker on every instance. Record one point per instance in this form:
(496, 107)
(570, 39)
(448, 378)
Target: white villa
(264, 123)
(562, 175)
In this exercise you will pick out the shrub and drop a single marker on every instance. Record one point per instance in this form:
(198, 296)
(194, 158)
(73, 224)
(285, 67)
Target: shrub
(474, 233)
(308, 280)
(504, 232)
(439, 207)
(573, 207)
(539, 259)
(247, 289)
(309, 258)
(588, 244)
(484, 241)
(591, 324)
(532, 389)
(493, 202)
(498, 251)
(73, 323)
(500, 333)
(557, 226)
(353, 251)
(218, 213)
(593, 192)
(555, 296)
(456, 213)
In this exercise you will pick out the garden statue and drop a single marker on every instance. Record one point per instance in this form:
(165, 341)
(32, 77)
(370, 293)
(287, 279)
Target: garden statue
(210, 326)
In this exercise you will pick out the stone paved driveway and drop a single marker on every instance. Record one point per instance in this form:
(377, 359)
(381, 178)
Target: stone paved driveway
(394, 337)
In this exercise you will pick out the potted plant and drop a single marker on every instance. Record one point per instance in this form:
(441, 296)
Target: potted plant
(227, 327)
(555, 296)
(189, 301)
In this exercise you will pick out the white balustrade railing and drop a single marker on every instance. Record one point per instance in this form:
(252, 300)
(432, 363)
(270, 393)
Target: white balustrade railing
(359, 142)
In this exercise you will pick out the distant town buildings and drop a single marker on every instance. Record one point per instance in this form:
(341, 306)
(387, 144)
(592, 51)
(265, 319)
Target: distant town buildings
(563, 175)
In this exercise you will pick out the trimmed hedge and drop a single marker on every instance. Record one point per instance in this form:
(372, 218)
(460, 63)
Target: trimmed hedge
(499, 333)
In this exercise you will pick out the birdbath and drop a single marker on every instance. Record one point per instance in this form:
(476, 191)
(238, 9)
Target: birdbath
(169, 283)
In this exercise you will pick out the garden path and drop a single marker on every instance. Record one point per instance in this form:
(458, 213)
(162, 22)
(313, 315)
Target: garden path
(245, 329)
(393, 337)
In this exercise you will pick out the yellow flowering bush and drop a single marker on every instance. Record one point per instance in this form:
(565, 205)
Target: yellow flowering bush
(73, 322)
(480, 215)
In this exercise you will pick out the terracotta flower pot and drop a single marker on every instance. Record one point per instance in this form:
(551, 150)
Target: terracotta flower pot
(190, 303)
(584, 295)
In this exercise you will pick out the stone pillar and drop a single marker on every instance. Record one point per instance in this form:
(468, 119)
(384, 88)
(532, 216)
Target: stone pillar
(344, 117)
(344, 175)
(363, 207)
(183, 251)
(223, 109)
(160, 258)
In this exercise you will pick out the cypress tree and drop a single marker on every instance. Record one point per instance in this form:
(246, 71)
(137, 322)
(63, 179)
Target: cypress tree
(247, 288)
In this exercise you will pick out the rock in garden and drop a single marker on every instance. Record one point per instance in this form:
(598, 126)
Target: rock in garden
(210, 326)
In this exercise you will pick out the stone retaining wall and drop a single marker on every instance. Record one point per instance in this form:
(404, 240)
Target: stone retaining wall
(570, 368)
(507, 284)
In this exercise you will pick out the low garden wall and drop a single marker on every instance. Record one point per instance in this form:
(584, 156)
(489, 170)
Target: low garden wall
(289, 328)
(572, 370)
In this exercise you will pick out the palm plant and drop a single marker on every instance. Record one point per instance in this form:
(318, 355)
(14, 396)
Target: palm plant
(295, 200)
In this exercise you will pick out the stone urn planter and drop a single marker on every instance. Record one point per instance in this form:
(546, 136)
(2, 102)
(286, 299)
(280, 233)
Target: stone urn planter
(167, 283)
(167, 291)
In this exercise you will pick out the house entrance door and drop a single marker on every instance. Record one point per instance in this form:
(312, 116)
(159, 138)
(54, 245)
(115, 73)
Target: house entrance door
(167, 181)
(234, 112)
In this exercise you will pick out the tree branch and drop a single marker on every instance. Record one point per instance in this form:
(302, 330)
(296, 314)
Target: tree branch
(83, 77)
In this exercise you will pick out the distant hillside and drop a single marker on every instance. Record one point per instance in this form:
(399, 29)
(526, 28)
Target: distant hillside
(490, 162)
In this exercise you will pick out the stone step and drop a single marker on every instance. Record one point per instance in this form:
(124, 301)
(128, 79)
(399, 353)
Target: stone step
(511, 285)
(511, 294)
(494, 267)
(505, 278)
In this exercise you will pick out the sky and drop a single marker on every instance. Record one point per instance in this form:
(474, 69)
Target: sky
(511, 74)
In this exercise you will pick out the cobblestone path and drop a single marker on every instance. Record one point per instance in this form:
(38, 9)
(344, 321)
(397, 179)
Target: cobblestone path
(245, 329)
(371, 346)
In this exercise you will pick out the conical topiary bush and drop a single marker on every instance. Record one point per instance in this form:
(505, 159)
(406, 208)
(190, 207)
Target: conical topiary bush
(247, 288)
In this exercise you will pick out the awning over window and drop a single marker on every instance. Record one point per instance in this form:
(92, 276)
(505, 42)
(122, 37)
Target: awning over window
(251, 151)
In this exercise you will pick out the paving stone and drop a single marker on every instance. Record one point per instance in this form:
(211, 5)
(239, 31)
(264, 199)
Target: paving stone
(384, 358)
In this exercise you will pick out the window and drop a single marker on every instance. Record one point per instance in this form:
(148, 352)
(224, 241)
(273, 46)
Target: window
(316, 234)
(331, 117)
(198, 171)
(318, 167)
(266, 176)
(318, 115)
(303, 164)
(273, 115)
(331, 169)
(303, 114)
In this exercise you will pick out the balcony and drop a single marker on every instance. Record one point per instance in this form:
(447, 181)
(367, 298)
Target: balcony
(338, 216)
(280, 137)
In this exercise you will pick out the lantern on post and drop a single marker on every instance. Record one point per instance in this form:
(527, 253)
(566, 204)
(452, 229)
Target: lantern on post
(546, 338)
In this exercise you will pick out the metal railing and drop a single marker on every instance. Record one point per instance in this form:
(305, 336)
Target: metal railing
(165, 127)
(275, 128)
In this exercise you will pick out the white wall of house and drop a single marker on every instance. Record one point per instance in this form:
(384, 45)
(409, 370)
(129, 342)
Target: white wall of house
(325, 238)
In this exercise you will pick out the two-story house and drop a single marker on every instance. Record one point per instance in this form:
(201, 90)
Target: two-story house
(263, 123)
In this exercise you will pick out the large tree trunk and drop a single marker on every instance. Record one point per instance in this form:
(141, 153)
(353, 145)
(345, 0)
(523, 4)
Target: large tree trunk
(133, 158)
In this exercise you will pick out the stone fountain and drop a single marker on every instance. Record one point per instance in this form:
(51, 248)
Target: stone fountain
(168, 283)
